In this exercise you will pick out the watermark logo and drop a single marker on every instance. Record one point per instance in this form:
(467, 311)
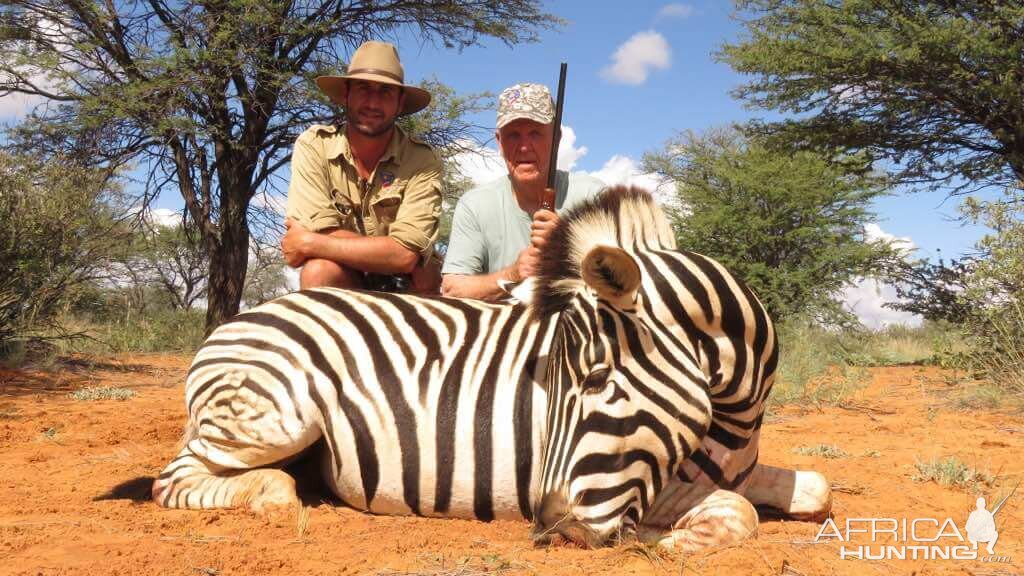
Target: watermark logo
(918, 538)
(981, 526)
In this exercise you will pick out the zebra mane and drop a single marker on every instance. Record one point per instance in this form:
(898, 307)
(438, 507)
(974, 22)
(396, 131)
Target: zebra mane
(628, 218)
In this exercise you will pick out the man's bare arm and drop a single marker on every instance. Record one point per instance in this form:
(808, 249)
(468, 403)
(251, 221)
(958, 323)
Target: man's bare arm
(485, 286)
(477, 286)
(376, 254)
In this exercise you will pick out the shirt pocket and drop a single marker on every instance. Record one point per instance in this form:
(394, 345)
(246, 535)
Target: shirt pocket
(385, 207)
(346, 211)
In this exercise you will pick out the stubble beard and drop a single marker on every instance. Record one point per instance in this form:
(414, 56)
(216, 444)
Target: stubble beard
(369, 132)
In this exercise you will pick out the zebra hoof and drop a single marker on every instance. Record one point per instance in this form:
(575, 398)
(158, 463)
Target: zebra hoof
(812, 497)
(267, 492)
(723, 518)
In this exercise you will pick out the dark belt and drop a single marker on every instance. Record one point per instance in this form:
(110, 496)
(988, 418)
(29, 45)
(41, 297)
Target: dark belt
(388, 282)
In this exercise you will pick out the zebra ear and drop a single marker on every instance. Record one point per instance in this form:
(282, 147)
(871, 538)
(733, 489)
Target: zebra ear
(613, 274)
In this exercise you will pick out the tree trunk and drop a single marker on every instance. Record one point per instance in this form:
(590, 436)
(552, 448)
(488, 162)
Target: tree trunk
(229, 258)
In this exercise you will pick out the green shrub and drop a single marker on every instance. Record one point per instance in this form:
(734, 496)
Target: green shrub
(57, 229)
(997, 351)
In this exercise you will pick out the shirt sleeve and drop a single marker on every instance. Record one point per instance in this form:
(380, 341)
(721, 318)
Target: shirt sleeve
(466, 250)
(309, 195)
(416, 223)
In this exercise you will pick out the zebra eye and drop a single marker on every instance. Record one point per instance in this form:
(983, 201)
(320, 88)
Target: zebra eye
(596, 381)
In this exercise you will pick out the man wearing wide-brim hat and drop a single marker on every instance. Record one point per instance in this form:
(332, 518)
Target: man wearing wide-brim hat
(364, 197)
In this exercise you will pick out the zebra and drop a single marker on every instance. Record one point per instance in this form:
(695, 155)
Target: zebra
(620, 396)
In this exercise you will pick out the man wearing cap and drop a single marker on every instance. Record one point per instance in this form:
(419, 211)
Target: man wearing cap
(499, 230)
(364, 198)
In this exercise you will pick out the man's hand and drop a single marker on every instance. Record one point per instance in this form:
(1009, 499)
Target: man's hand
(544, 222)
(294, 242)
(526, 265)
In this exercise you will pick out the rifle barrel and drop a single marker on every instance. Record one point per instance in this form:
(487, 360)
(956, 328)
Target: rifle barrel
(557, 132)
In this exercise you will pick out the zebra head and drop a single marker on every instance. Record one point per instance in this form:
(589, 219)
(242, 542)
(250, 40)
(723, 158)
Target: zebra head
(626, 403)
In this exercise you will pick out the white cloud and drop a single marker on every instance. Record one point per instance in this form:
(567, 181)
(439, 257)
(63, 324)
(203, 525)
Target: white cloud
(675, 11)
(637, 57)
(480, 164)
(271, 201)
(568, 153)
(867, 297)
(291, 278)
(624, 171)
(18, 105)
(164, 217)
(902, 243)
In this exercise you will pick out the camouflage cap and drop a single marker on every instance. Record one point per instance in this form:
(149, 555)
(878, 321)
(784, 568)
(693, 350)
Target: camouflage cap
(525, 100)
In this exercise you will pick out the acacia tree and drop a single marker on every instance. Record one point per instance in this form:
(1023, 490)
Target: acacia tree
(208, 96)
(792, 226)
(935, 86)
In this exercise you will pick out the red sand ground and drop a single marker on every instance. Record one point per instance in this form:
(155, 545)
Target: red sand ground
(74, 491)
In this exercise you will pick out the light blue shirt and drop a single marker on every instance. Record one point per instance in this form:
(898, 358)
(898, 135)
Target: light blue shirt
(489, 229)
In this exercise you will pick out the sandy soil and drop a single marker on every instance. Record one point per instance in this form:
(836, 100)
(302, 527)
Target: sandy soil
(75, 476)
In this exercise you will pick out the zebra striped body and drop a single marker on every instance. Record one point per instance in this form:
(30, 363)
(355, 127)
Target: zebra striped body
(625, 394)
(429, 406)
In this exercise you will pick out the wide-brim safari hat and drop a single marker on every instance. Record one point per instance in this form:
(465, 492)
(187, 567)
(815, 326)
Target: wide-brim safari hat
(375, 62)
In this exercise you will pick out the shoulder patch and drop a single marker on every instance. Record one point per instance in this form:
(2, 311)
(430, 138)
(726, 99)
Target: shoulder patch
(323, 129)
(418, 140)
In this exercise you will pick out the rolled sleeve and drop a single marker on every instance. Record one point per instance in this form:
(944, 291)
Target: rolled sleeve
(416, 223)
(465, 253)
(309, 195)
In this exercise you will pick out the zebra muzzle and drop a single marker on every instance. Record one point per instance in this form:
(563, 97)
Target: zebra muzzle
(553, 518)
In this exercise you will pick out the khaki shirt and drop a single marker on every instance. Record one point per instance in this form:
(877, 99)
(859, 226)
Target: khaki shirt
(401, 199)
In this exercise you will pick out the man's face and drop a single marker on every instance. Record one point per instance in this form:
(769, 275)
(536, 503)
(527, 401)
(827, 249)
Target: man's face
(526, 147)
(372, 106)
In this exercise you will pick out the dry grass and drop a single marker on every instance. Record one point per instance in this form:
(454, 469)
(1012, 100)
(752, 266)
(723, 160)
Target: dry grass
(102, 393)
(483, 565)
(822, 450)
(952, 473)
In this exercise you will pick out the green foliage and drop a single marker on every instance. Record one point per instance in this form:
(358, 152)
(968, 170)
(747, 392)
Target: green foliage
(995, 292)
(900, 345)
(937, 87)
(57, 233)
(790, 225)
(933, 291)
(998, 276)
(996, 340)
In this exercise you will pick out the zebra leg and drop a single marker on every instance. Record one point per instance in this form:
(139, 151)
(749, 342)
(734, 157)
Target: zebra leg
(797, 494)
(235, 442)
(722, 518)
(190, 481)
